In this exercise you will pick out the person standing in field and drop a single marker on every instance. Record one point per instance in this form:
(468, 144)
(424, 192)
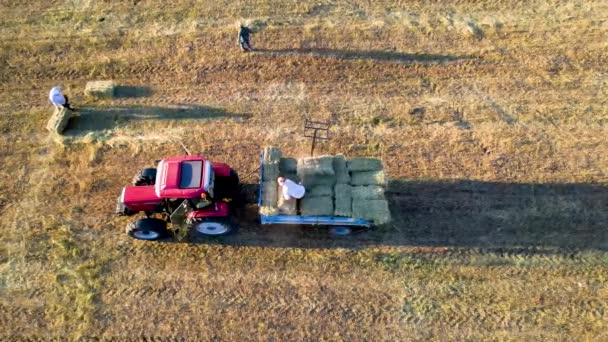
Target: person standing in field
(244, 34)
(58, 99)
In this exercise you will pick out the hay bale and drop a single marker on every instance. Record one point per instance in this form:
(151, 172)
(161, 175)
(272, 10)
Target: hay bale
(373, 210)
(288, 165)
(316, 166)
(269, 211)
(59, 120)
(368, 178)
(311, 181)
(291, 176)
(320, 190)
(342, 200)
(317, 206)
(272, 155)
(100, 89)
(364, 164)
(287, 207)
(270, 194)
(342, 176)
(271, 171)
(368, 192)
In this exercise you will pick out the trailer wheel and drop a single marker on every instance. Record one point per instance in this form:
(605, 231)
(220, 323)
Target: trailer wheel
(212, 226)
(147, 229)
(146, 176)
(340, 230)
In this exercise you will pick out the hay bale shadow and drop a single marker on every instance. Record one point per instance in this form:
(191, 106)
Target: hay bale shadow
(92, 119)
(132, 92)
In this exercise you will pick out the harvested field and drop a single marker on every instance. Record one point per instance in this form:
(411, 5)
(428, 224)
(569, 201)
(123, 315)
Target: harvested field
(490, 117)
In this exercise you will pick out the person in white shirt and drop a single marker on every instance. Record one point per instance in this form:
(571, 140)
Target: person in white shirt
(58, 99)
(289, 193)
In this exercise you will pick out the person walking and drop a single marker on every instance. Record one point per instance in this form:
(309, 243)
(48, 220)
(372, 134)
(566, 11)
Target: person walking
(58, 99)
(244, 34)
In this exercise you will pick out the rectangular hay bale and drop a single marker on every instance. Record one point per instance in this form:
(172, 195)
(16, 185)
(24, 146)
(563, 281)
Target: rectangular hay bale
(310, 181)
(320, 190)
(271, 171)
(316, 166)
(288, 165)
(342, 175)
(270, 194)
(373, 210)
(271, 154)
(291, 176)
(269, 211)
(59, 120)
(100, 89)
(368, 192)
(364, 164)
(368, 178)
(343, 200)
(317, 206)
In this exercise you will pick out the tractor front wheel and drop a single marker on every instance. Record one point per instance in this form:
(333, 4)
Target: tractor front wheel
(148, 229)
(212, 226)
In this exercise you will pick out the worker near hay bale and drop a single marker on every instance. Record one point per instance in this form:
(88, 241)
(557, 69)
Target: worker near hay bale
(58, 99)
(290, 190)
(244, 34)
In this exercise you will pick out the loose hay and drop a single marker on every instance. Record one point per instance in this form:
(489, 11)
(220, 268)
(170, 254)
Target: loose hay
(342, 176)
(320, 190)
(288, 165)
(59, 120)
(373, 210)
(288, 207)
(368, 192)
(272, 154)
(343, 200)
(317, 206)
(364, 164)
(269, 211)
(270, 194)
(100, 89)
(368, 178)
(316, 166)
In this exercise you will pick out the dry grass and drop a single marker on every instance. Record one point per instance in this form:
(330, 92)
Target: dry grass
(490, 117)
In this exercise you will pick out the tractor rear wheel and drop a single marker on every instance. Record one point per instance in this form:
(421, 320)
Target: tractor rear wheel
(148, 229)
(146, 176)
(212, 226)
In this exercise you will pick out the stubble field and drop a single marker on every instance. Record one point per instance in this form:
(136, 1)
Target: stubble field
(490, 116)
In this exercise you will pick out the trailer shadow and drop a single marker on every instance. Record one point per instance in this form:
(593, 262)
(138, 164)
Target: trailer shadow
(461, 213)
(125, 91)
(92, 118)
(380, 56)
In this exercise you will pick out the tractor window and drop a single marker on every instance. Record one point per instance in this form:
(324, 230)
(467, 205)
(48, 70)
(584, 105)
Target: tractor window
(191, 174)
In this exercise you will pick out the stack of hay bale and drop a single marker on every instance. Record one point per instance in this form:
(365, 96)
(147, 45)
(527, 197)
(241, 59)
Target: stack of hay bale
(334, 186)
(368, 184)
(59, 120)
(100, 89)
(318, 177)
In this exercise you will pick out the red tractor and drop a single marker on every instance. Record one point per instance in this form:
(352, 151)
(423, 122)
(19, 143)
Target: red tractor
(187, 191)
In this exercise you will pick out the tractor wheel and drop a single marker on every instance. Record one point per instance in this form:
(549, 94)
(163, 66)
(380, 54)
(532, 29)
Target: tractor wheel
(340, 230)
(148, 229)
(212, 226)
(145, 177)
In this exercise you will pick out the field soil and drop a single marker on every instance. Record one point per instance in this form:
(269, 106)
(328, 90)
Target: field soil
(491, 118)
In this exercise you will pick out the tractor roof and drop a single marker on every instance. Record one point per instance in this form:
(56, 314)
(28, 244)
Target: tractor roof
(182, 177)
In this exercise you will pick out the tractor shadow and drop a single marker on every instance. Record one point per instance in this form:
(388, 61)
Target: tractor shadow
(92, 119)
(379, 56)
(467, 214)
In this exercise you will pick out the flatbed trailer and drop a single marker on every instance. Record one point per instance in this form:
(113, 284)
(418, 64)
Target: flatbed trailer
(338, 225)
